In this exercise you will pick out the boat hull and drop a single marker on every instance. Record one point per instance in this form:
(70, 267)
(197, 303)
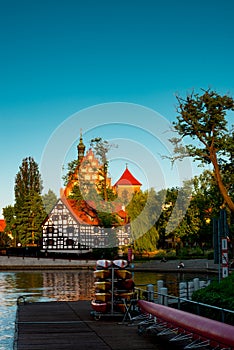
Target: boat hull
(103, 263)
(123, 274)
(102, 274)
(126, 284)
(121, 307)
(217, 332)
(103, 297)
(125, 295)
(120, 263)
(103, 285)
(99, 306)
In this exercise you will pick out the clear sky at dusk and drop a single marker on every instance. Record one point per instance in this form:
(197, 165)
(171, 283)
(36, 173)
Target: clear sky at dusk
(61, 57)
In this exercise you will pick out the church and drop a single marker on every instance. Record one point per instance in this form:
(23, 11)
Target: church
(74, 225)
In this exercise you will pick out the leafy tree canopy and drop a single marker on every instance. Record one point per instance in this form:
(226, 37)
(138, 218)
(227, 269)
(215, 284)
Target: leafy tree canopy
(49, 199)
(101, 148)
(28, 209)
(28, 179)
(9, 217)
(143, 211)
(202, 119)
(71, 171)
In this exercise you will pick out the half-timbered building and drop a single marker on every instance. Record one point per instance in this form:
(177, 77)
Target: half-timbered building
(75, 227)
(68, 229)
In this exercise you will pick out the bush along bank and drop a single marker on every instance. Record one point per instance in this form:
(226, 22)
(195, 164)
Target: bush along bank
(219, 294)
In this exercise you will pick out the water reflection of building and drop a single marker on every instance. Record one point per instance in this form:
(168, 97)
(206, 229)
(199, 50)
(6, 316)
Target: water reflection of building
(68, 285)
(74, 226)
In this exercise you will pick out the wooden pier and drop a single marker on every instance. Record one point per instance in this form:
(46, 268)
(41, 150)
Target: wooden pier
(69, 326)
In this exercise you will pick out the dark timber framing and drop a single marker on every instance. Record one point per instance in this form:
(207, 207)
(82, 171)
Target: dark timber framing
(63, 232)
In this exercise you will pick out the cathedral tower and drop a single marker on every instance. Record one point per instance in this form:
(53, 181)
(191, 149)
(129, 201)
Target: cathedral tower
(81, 148)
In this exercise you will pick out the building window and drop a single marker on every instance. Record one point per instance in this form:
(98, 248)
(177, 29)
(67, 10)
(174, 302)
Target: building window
(126, 241)
(96, 241)
(55, 217)
(70, 229)
(96, 229)
(50, 229)
(49, 241)
(70, 242)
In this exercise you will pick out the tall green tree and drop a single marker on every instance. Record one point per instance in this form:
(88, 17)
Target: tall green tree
(205, 204)
(29, 209)
(76, 193)
(195, 224)
(71, 173)
(101, 148)
(9, 217)
(49, 199)
(207, 195)
(27, 180)
(5, 240)
(203, 119)
(189, 223)
(167, 199)
(143, 211)
(187, 228)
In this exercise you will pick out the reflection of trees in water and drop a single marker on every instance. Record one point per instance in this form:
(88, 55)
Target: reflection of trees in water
(171, 280)
(67, 285)
(26, 279)
(77, 285)
(22, 280)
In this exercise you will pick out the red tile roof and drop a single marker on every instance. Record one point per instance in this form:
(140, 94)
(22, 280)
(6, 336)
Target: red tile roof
(85, 212)
(82, 212)
(2, 225)
(127, 179)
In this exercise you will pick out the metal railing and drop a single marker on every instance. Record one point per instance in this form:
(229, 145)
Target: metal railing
(198, 308)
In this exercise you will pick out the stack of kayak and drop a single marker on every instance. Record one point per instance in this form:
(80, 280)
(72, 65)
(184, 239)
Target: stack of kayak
(102, 286)
(113, 284)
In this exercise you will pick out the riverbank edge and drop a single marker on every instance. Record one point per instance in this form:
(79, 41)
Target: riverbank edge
(30, 264)
(80, 267)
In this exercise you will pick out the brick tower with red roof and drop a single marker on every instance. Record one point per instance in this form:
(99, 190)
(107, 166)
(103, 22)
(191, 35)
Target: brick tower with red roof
(127, 185)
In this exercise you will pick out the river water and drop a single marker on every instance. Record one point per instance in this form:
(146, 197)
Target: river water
(60, 286)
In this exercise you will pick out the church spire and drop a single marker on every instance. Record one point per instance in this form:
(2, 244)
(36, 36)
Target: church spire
(81, 148)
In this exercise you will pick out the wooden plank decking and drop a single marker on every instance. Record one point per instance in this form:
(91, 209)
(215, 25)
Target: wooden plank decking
(68, 325)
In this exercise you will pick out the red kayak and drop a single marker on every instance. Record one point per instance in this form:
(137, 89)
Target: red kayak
(218, 333)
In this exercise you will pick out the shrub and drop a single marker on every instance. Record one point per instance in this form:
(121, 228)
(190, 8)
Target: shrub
(217, 294)
(171, 254)
(189, 253)
(210, 254)
(160, 254)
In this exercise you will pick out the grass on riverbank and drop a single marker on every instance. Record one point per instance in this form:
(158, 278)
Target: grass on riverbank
(217, 294)
(172, 254)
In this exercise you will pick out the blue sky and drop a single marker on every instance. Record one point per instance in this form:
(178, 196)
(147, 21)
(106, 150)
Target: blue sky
(62, 57)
